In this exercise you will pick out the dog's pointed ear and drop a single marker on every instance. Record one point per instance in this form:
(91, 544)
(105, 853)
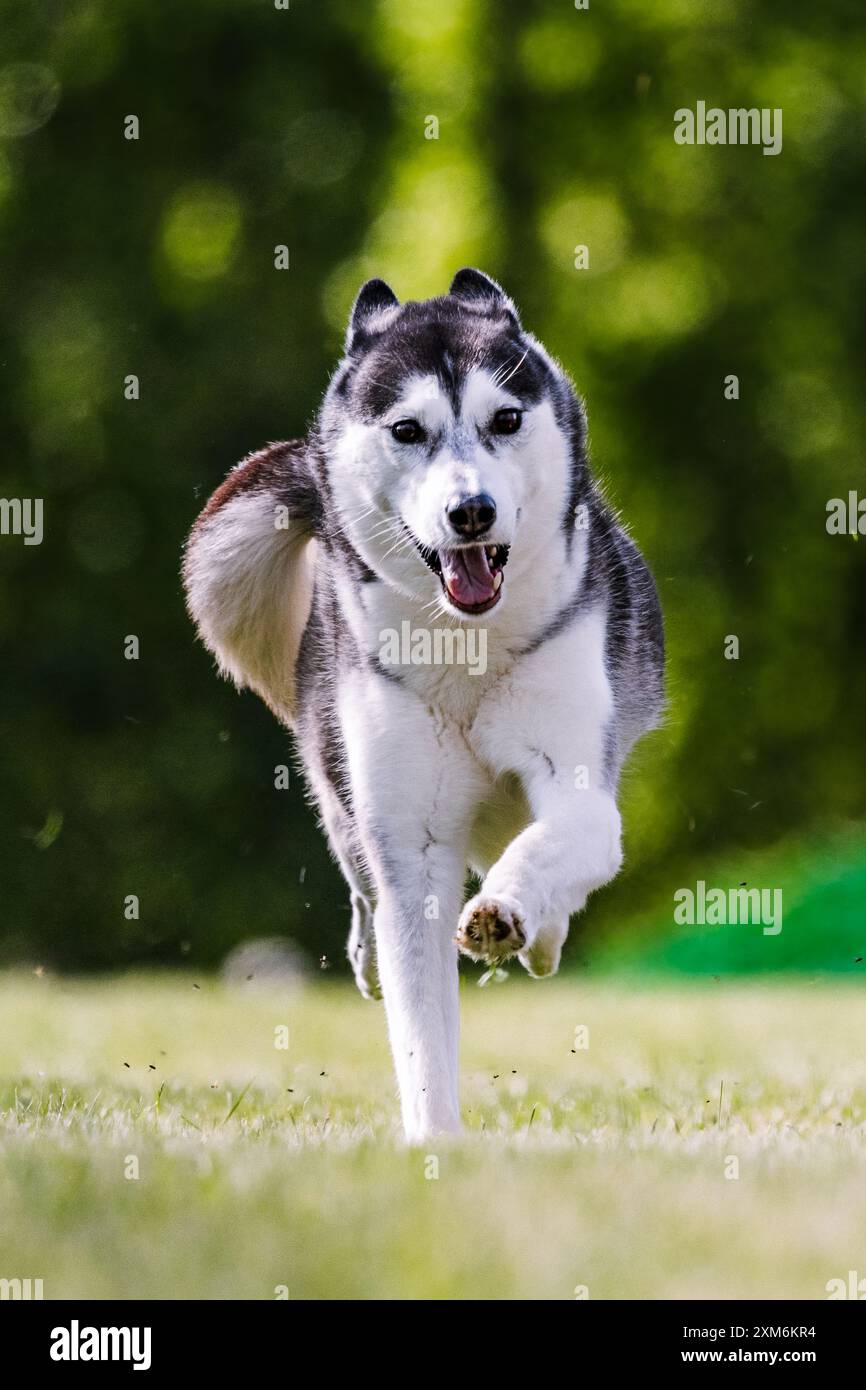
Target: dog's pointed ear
(474, 287)
(370, 311)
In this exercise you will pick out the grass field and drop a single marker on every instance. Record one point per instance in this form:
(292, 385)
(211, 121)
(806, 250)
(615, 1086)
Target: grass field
(606, 1166)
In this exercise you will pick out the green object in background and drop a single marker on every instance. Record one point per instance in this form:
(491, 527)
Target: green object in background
(823, 922)
(826, 931)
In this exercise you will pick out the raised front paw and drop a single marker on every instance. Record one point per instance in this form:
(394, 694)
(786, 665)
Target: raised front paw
(490, 929)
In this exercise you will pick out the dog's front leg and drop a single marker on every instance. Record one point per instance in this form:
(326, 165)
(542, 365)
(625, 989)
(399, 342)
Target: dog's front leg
(413, 787)
(572, 847)
(417, 958)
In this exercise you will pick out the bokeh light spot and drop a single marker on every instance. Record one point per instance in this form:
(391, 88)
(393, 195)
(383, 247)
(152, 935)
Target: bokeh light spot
(201, 231)
(595, 220)
(558, 54)
(29, 93)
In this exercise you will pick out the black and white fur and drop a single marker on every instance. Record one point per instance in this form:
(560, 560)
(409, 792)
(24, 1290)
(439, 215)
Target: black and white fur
(311, 549)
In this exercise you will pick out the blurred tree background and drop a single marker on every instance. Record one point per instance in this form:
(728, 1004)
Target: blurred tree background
(308, 127)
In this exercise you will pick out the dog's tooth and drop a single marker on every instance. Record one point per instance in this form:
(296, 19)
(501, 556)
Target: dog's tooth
(497, 582)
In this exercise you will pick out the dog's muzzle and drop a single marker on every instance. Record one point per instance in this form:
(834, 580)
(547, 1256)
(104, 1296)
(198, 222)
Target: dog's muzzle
(471, 575)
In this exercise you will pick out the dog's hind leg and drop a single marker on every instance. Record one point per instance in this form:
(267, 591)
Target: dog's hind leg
(361, 948)
(343, 839)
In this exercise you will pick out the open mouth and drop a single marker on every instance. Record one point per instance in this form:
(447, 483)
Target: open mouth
(471, 575)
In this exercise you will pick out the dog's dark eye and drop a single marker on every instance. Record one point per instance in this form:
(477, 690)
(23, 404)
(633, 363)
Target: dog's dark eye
(407, 432)
(507, 421)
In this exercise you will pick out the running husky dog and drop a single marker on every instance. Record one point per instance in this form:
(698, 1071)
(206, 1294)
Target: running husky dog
(445, 483)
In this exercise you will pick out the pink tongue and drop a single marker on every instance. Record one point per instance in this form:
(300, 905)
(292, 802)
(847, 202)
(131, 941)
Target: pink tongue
(467, 575)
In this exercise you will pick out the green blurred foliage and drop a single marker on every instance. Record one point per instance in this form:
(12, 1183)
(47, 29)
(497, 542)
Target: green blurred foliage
(261, 127)
(814, 889)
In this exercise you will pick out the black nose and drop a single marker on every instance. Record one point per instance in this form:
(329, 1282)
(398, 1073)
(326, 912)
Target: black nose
(472, 516)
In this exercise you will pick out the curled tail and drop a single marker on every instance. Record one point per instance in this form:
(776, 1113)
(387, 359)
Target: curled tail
(248, 571)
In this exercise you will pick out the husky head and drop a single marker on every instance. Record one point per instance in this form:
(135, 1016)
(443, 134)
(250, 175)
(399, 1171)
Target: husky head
(454, 445)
